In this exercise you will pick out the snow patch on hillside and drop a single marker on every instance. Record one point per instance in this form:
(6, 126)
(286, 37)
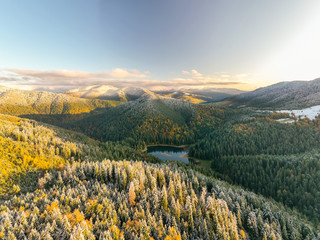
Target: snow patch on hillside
(310, 112)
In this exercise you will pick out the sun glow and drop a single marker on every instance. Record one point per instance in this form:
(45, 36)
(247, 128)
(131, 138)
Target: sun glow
(298, 57)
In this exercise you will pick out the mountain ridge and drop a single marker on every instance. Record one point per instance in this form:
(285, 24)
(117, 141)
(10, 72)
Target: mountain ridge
(294, 94)
(109, 92)
(21, 102)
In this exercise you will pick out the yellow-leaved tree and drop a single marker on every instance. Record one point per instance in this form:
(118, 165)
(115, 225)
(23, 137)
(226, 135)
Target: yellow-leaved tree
(132, 194)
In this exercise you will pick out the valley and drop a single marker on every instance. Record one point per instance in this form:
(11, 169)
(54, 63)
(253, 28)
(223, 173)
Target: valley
(123, 159)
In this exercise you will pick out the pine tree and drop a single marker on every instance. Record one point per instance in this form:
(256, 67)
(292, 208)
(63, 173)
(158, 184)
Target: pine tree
(171, 190)
(239, 218)
(265, 236)
(34, 235)
(189, 212)
(164, 198)
(11, 236)
(132, 194)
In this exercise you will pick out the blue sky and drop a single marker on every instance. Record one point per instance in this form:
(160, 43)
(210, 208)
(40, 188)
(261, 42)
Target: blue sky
(254, 43)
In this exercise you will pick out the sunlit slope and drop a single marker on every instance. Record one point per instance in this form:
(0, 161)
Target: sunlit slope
(28, 148)
(206, 95)
(19, 102)
(186, 97)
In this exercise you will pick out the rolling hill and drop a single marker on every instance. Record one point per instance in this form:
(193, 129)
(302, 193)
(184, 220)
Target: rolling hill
(294, 95)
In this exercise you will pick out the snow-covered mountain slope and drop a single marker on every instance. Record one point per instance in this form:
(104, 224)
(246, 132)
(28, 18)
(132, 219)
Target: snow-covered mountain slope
(296, 94)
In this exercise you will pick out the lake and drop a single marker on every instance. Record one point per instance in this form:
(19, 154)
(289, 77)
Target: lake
(169, 153)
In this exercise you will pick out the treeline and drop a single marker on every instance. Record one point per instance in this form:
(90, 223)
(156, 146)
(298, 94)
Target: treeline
(257, 137)
(134, 200)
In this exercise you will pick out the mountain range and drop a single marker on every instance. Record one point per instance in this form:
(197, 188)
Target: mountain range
(108, 92)
(295, 94)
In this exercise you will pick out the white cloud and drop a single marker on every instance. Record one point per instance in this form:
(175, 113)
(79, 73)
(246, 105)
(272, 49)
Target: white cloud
(61, 80)
(195, 79)
(196, 74)
(64, 79)
(117, 73)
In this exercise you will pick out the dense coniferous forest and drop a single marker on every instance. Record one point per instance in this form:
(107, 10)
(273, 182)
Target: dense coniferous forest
(256, 137)
(290, 179)
(259, 156)
(127, 200)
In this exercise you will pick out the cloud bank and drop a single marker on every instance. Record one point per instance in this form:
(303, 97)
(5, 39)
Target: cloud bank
(62, 80)
(195, 79)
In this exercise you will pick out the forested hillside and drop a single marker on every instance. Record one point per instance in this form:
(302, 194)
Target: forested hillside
(127, 200)
(292, 180)
(153, 119)
(259, 155)
(28, 148)
(256, 137)
(54, 108)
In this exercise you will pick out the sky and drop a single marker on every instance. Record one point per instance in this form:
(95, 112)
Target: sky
(57, 45)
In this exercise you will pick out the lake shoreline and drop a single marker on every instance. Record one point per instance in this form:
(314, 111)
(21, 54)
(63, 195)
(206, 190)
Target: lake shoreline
(191, 160)
(185, 147)
(169, 152)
